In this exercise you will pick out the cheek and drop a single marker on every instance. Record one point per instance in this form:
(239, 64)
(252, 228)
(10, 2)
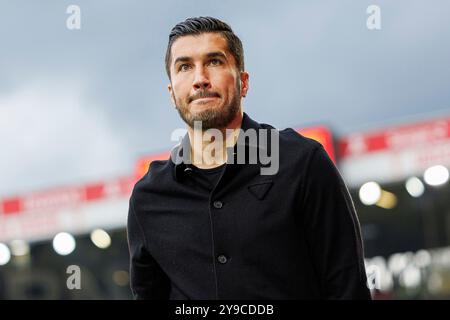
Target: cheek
(227, 84)
(180, 89)
(233, 87)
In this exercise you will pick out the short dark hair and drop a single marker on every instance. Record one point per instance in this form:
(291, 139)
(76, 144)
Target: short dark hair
(199, 25)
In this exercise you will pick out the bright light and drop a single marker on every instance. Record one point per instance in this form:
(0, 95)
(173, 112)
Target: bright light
(410, 277)
(101, 238)
(415, 187)
(5, 254)
(387, 200)
(19, 248)
(397, 263)
(436, 175)
(378, 275)
(121, 278)
(64, 243)
(370, 193)
(422, 259)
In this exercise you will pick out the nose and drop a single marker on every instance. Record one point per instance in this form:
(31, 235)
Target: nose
(201, 80)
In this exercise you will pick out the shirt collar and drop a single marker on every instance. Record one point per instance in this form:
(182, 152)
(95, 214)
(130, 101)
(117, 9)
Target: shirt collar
(182, 162)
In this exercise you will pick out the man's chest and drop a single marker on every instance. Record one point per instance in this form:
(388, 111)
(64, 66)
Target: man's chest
(240, 216)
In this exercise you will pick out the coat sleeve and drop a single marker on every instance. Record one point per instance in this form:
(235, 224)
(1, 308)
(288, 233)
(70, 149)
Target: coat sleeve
(147, 279)
(332, 231)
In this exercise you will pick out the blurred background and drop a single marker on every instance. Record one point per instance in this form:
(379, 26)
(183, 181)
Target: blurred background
(84, 110)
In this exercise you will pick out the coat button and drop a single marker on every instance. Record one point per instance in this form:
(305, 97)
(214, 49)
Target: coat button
(222, 259)
(218, 204)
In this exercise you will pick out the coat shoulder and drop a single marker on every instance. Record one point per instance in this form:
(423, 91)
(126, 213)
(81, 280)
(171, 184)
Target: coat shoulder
(296, 145)
(158, 174)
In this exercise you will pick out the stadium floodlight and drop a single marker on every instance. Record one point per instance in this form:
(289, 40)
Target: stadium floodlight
(5, 254)
(100, 238)
(370, 193)
(19, 248)
(415, 187)
(64, 243)
(436, 175)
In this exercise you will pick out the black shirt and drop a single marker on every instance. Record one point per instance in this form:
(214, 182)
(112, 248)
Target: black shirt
(292, 235)
(206, 178)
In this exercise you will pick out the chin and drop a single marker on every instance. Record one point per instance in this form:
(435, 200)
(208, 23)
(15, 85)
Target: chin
(206, 106)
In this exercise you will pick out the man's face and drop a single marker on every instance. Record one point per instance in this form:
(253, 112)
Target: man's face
(205, 83)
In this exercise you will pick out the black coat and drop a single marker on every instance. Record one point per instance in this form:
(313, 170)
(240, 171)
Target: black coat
(292, 235)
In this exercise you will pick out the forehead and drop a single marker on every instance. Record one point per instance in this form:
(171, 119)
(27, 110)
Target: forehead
(199, 45)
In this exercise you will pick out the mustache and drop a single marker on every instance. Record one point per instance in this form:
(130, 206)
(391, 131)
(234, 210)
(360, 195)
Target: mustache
(203, 94)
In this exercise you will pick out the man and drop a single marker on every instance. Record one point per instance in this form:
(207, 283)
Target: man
(204, 225)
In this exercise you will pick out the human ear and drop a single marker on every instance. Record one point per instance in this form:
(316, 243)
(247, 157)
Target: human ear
(172, 97)
(244, 83)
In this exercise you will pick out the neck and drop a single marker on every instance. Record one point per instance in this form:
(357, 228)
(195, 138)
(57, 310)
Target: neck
(209, 147)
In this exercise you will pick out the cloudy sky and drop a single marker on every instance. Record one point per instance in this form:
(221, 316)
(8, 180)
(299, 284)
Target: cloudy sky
(82, 105)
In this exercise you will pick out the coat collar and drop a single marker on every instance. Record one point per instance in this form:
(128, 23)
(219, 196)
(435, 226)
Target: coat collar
(182, 162)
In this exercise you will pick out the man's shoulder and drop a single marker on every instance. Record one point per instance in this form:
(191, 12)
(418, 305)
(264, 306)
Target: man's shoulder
(306, 158)
(291, 137)
(159, 173)
(294, 148)
(294, 144)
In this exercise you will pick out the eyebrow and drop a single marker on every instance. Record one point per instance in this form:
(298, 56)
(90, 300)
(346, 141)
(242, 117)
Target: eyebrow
(215, 54)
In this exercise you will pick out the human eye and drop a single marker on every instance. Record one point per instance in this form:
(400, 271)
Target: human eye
(183, 67)
(215, 62)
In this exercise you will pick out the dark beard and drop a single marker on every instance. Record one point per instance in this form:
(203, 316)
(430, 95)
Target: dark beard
(213, 118)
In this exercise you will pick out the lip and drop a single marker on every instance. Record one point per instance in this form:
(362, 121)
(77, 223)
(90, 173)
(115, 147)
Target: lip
(204, 99)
